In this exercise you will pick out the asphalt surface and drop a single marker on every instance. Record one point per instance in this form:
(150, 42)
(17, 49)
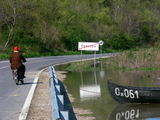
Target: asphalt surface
(12, 97)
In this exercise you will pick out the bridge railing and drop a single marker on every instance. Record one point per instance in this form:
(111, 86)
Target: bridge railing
(59, 111)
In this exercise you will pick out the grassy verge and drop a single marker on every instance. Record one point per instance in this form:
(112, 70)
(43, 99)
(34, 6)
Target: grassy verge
(80, 66)
(4, 56)
(142, 59)
(139, 60)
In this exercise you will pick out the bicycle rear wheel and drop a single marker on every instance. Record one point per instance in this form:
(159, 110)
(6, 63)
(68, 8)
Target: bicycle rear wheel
(15, 76)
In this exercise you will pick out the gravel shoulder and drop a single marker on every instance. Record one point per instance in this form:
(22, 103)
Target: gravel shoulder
(40, 108)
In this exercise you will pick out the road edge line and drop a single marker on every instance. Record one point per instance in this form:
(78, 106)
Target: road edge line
(80, 60)
(26, 106)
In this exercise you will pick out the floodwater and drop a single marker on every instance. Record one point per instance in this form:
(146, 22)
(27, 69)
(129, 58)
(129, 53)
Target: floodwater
(90, 92)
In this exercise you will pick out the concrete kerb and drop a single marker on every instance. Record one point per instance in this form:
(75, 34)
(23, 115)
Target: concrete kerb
(25, 108)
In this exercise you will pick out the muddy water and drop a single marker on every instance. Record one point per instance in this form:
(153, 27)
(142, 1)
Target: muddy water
(90, 92)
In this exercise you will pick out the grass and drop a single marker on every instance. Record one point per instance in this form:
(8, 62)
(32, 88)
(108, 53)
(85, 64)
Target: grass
(142, 59)
(80, 66)
(4, 56)
(148, 69)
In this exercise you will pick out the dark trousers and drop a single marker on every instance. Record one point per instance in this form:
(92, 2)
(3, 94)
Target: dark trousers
(22, 70)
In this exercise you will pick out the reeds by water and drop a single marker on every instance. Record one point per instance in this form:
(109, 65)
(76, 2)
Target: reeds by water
(136, 59)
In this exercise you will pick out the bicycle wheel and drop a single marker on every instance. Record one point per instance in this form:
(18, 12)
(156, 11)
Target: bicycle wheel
(15, 77)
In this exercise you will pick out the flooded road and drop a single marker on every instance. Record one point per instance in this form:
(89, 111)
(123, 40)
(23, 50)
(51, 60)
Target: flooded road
(90, 92)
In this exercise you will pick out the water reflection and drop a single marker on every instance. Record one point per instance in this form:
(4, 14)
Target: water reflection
(102, 73)
(90, 91)
(136, 112)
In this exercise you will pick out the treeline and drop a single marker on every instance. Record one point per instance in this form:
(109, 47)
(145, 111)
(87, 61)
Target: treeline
(58, 25)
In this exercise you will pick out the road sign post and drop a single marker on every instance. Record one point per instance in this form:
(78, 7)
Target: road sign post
(101, 43)
(101, 72)
(89, 46)
(81, 57)
(94, 59)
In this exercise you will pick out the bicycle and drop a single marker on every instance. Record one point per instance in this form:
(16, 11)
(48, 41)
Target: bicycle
(17, 76)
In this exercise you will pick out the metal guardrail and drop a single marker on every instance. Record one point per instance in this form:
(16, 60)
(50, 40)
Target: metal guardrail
(61, 106)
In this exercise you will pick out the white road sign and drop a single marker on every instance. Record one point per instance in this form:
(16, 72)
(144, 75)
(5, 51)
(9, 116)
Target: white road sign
(88, 46)
(101, 42)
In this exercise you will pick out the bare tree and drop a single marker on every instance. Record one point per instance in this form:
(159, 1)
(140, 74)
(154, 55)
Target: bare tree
(8, 16)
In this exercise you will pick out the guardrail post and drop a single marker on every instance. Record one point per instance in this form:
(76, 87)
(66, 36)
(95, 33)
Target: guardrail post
(58, 93)
(58, 88)
(55, 111)
(54, 75)
(61, 102)
(65, 115)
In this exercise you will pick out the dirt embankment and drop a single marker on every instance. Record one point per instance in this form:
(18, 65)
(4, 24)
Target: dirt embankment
(40, 108)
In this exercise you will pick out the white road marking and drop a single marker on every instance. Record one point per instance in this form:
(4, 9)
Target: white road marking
(25, 109)
(4, 67)
(15, 95)
(3, 62)
(41, 61)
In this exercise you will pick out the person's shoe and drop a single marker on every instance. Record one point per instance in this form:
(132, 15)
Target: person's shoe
(22, 82)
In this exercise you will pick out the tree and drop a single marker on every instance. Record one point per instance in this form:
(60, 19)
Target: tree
(8, 16)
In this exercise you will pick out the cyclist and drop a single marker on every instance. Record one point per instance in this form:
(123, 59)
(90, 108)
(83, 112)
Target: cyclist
(16, 61)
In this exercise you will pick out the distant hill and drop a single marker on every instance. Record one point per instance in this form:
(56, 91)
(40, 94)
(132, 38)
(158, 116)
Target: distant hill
(56, 26)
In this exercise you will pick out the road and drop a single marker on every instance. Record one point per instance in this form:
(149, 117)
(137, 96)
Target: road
(12, 97)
